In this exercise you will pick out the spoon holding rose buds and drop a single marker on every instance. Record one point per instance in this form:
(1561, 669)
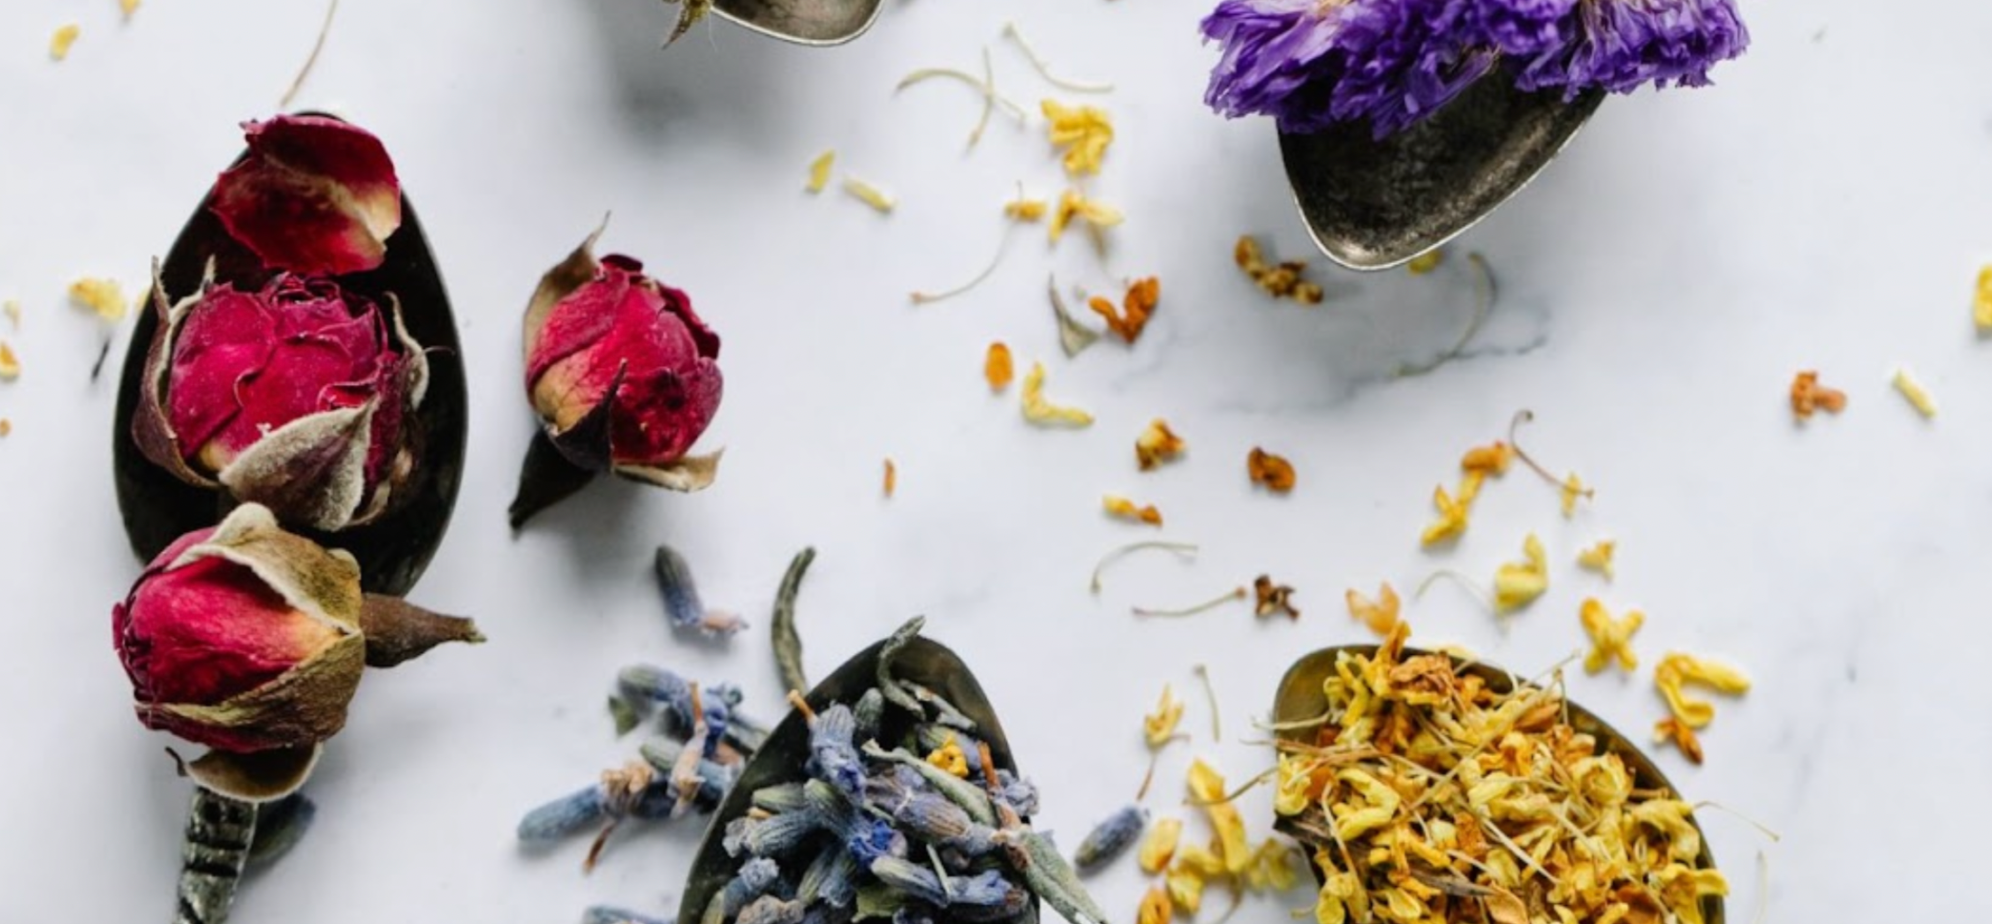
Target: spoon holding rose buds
(1373, 205)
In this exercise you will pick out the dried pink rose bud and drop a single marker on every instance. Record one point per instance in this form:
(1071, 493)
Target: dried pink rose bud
(295, 397)
(314, 195)
(622, 372)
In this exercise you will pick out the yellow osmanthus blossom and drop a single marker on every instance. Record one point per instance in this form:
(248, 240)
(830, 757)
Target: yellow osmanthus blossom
(1453, 512)
(1207, 788)
(1981, 300)
(1156, 445)
(1156, 908)
(1160, 725)
(1158, 846)
(10, 365)
(950, 757)
(1426, 262)
(1381, 614)
(1040, 411)
(1491, 459)
(1195, 867)
(60, 42)
(1025, 210)
(1677, 670)
(819, 171)
(1126, 509)
(1185, 888)
(1573, 489)
(1518, 585)
(1600, 558)
(1340, 892)
(1083, 131)
(1272, 867)
(1073, 206)
(103, 296)
(1918, 396)
(1611, 639)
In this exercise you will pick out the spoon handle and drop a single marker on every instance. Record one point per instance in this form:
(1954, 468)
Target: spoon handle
(219, 830)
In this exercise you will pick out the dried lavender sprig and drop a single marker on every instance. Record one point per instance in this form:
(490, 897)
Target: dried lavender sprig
(832, 758)
(831, 877)
(787, 641)
(1110, 838)
(772, 836)
(963, 793)
(755, 878)
(681, 598)
(1051, 877)
(714, 778)
(565, 816)
(646, 684)
(865, 837)
(910, 878)
(602, 914)
(930, 816)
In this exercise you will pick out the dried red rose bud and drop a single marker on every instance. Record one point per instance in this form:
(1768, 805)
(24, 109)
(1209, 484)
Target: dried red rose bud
(622, 371)
(294, 397)
(314, 195)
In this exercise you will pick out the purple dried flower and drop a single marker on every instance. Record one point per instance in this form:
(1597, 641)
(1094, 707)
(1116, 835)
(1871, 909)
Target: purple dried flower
(563, 816)
(1406, 58)
(1524, 28)
(831, 877)
(1272, 50)
(832, 757)
(1624, 44)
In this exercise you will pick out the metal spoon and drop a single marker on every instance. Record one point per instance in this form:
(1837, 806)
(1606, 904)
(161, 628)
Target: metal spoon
(1373, 205)
(805, 22)
(1301, 697)
(781, 759)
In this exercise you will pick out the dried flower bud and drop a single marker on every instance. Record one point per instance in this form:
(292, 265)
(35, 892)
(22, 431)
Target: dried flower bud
(315, 195)
(294, 396)
(1110, 838)
(1157, 444)
(1275, 473)
(1272, 598)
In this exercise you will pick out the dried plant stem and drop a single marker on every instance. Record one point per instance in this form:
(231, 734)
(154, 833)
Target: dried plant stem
(1236, 593)
(1155, 758)
(1016, 37)
(787, 641)
(219, 832)
(802, 705)
(1483, 305)
(995, 260)
(1526, 416)
(1188, 550)
(1479, 596)
(1233, 795)
(1210, 695)
(324, 30)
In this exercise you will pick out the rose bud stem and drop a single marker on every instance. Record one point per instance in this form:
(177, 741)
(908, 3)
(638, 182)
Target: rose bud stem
(397, 631)
(219, 832)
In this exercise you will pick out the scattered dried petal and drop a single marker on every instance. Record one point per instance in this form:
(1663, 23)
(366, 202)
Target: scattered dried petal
(6, 427)
(1119, 506)
(1573, 489)
(1040, 411)
(1207, 788)
(997, 367)
(1919, 398)
(891, 477)
(1159, 847)
(1083, 132)
(1272, 598)
(1280, 281)
(1453, 512)
(869, 195)
(1138, 307)
(1981, 301)
(819, 171)
(103, 296)
(1156, 445)
(1071, 205)
(1491, 459)
(1807, 396)
(1159, 726)
(1518, 585)
(1611, 639)
(1381, 614)
(1426, 262)
(12, 309)
(1156, 908)
(1073, 337)
(1677, 670)
(10, 365)
(1673, 731)
(1600, 557)
(128, 7)
(1025, 210)
(58, 44)
(1273, 472)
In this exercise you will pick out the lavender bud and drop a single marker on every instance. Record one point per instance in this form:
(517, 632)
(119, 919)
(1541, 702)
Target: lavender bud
(714, 778)
(910, 878)
(681, 597)
(602, 914)
(986, 889)
(866, 838)
(1020, 794)
(782, 797)
(771, 910)
(755, 878)
(1110, 838)
(833, 758)
(564, 816)
(777, 834)
(831, 877)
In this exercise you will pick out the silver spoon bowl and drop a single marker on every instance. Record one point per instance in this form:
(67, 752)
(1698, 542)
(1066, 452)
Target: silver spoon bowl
(1373, 205)
(804, 22)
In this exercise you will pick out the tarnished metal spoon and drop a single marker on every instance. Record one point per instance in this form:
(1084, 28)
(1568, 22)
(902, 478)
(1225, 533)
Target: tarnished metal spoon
(1300, 697)
(804, 22)
(394, 550)
(781, 759)
(1373, 205)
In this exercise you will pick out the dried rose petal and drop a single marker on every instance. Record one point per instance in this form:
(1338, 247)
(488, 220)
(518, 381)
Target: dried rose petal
(314, 195)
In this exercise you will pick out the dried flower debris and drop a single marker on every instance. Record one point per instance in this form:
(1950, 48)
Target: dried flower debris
(819, 171)
(988, 269)
(1425, 796)
(1040, 411)
(1118, 506)
(1809, 397)
(1159, 726)
(1426, 262)
(60, 43)
(128, 7)
(1024, 209)
(880, 201)
(1611, 639)
(1073, 337)
(1913, 392)
(1981, 300)
(1082, 132)
(1381, 615)
(1573, 488)
(1110, 838)
(1016, 37)
(1677, 671)
(1271, 598)
(1159, 847)
(6, 427)
(10, 365)
(1281, 280)
(1272, 472)
(103, 296)
(1073, 206)
(1600, 557)
(1229, 596)
(12, 309)
(1156, 445)
(1136, 308)
(891, 477)
(998, 369)
(1518, 584)
(1477, 465)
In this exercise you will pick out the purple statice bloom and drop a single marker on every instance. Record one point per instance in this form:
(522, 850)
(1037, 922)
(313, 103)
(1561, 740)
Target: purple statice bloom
(1625, 44)
(1405, 59)
(1273, 50)
(1525, 29)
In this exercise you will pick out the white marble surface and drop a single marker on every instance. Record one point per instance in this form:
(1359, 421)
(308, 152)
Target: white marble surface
(1824, 207)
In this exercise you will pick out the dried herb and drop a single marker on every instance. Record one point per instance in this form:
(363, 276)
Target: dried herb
(819, 171)
(63, 39)
(1116, 505)
(1159, 847)
(891, 477)
(1600, 557)
(1270, 471)
(103, 296)
(10, 365)
(1096, 215)
(787, 641)
(1159, 726)
(311, 60)
(1981, 300)
(1611, 639)
(624, 715)
(1136, 308)
(1280, 281)
(985, 84)
(1271, 598)
(1185, 549)
(1073, 337)
(998, 369)
(1380, 615)
(870, 195)
(1016, 37)
(1040, 411)
(1156, 445)
(1808, 396)
(1572, 487)
(681, 597)
(1236, 593)
(1110, 838)
(1517, 585)
(1426, 262)
(1913, 392)
(1082, 132)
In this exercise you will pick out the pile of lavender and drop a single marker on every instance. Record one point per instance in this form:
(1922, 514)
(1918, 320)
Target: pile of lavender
(1313, 64)
(689, 768)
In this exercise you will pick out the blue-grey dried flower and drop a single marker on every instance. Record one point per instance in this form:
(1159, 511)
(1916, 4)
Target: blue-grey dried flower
(831, 877)
(681, 598)
(771, 836)
(563, 816)
(866, 838)
(602, 914)
(1017, 792)
(833, 758)
(1110, 838)
(755, 878)
(646, 684)
(930, 816)
(982, 889)
(715, 778)
(770, 910)
(959, 791)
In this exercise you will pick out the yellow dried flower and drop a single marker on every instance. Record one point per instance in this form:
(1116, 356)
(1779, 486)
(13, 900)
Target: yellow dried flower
(1185, 889)
(6, 427)
(1573, 488)
(1491, 459)
(819, 171)
(1202, 861)
(1273, 867)
(1294, 785)
(1381, 614)
(1083, 131)
(12, 309)
(1072, 205)
(1040, 411)
(128, 6)
(1600, 558)
(1025, 210)
(1270, 470)
(1119, 506)
(1426, 262)
(1158, 846)
(1207, 787)
(891, 477)
(1611, 639)
(1452, 514)
(1156, 445)
(58, 44)
(103, 296)
(950, 757)
(870, 195)
(997, 367)
(1159, 725)
(1677, 670)
(10, 365)
(1156, 908)
(1340, 892)
(1518, 585)
(1981, 301)
(1919, 397)
(1808, 396)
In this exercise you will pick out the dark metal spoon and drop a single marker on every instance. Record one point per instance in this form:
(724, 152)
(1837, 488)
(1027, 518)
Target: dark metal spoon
(804, 22)
(1301, 697)
(1372, 205)
(394, 550)
(780, 760)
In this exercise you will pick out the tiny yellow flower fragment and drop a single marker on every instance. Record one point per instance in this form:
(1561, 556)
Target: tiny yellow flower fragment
(1025, 210)
(12, 309)
(1340, 893)
(950, 757)
(1981, 301)
(1491, 459)
(869, 195)
(1272, 867)
(1119, 506)
(1039, 411)
(1452, 514)
(819, 171)
(1677, 670)
(1611, 639)
(1083, 131)
(1160, 725)
(1919, 397)
(1158, 846)
(891, 477)
(1207, 787)
(1425, 262)
(1072, 205)
(58, 44)
(1600, 558)
(1156, 908)
(1573, 489)
(6, 427)
(10, 365)
(1518, 585)
(1156, 445)
(1185, 889)
(128, 7)
(103, 296)
(1380, 614)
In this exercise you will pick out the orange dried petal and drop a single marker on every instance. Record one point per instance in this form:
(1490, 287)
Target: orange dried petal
(1274, 472)
(998, 368)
